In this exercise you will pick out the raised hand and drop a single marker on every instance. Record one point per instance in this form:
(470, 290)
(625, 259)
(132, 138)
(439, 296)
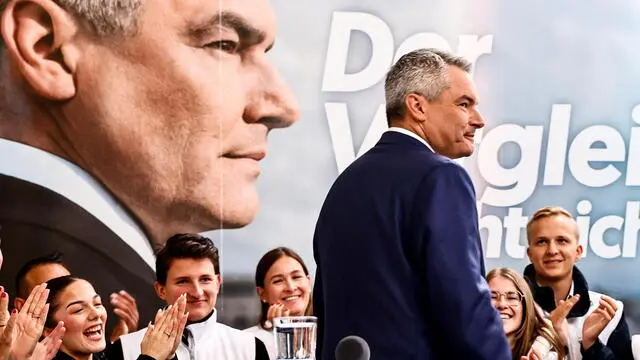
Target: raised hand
(598, 320)
(127, 311)
(558, 317)
(6, 339)
(532, 355)
(163, 337)
(30, 322)
(277, 310)
(181, 303)
(4, 309)
(48, 347)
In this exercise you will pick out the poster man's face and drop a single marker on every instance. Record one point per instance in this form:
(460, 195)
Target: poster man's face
(173, 119)
(181, 111)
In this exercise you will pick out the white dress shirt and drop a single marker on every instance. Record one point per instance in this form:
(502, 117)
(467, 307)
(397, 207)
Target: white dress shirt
(412, 134)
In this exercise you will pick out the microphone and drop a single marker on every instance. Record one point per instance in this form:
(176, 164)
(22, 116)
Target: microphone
(352, 348)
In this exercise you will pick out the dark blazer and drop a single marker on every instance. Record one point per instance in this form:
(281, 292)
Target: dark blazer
(399, 259)
(36, 221)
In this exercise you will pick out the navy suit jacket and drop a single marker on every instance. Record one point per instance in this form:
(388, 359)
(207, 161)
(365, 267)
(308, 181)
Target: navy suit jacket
(399, 259)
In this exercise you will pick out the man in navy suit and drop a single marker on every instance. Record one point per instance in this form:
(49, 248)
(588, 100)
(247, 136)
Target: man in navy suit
(397, 245)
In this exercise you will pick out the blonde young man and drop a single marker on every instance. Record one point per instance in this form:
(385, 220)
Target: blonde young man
(591, 324)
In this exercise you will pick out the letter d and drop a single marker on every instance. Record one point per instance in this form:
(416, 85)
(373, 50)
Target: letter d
(342, 24)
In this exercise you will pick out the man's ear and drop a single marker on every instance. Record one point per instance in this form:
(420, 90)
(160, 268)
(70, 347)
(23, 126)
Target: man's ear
(37, 37)
(416, 105)
(160, 290)
(579, 251)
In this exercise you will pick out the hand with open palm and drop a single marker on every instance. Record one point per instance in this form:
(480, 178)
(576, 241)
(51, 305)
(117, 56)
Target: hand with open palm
(30, 322)
(598, 320)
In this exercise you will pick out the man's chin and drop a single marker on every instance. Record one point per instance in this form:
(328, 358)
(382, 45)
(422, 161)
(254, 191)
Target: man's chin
(554, 275)
(235, 212)
(198, 313)
(239, 220)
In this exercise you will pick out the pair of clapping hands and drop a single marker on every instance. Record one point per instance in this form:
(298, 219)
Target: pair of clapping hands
(20, 332)
(162, 338)
(593, 324)
(591, 329)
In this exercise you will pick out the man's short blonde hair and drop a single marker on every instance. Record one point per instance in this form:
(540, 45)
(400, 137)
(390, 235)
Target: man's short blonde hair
(546, 212)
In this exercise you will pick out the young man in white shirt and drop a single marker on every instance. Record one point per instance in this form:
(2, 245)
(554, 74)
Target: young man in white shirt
(189, 264)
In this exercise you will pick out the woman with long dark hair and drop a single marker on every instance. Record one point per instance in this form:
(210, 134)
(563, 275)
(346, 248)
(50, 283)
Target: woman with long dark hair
(283, 284)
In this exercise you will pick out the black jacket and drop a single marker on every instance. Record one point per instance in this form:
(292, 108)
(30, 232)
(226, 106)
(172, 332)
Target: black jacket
(618, 347)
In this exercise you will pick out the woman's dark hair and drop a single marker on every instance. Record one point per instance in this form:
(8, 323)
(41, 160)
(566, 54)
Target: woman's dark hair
(56, 286)
(263, 267)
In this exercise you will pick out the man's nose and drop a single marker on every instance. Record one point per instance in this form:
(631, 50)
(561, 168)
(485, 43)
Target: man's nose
(552, 248)
(270, 100)
(477, 120)
(196, 291)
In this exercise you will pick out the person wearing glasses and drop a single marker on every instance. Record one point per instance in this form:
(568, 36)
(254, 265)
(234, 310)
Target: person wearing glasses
(526, 329)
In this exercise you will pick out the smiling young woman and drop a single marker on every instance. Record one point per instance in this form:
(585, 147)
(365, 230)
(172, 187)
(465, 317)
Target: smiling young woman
(75, 302)
(524, 325)
(284, 287)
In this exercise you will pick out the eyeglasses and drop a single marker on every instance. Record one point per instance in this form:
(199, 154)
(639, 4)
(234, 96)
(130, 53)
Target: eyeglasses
(512, 298)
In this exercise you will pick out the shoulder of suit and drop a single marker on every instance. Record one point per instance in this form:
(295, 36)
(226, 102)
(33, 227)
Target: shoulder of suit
(449, 167)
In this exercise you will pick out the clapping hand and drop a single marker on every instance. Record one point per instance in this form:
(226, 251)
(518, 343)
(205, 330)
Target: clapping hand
(277, 310)
(126, 309)
(532, 355)
(21, 332)
(4, 309)
(163, 337)
(48, 347)
(6, 339)
(30, 322)
(558, 317)
(598, 320)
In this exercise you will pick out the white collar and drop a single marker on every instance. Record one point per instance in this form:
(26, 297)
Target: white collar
(412, 134)
(199, 329)
(66, 179)
(571, 290)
